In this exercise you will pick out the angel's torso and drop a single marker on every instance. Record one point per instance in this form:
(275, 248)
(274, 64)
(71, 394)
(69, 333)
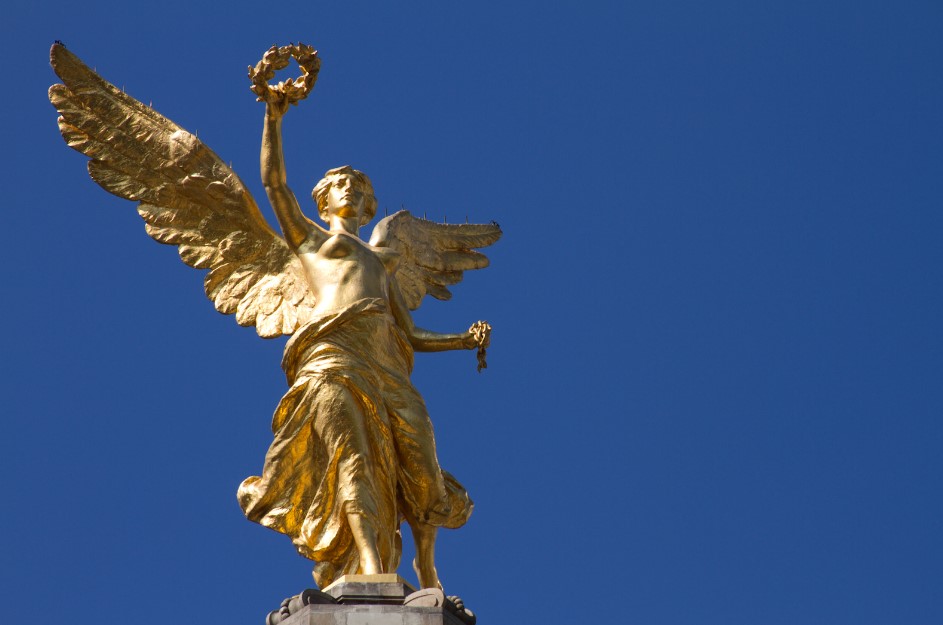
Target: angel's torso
(341, 269)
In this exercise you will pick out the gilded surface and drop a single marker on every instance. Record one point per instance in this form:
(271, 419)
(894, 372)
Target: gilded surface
(354, 452)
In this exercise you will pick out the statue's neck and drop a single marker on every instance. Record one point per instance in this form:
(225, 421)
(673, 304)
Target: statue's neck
(347, 225)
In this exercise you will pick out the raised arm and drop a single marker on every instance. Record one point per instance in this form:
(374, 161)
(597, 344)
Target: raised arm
(295, 226)
(425, 340)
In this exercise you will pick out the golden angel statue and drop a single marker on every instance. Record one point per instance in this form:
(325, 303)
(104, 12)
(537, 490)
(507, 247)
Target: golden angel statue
(354, 453)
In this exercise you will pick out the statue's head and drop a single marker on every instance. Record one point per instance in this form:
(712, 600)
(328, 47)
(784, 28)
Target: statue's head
(342, 176)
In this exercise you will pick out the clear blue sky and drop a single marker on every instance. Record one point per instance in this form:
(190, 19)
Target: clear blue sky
(714, 392)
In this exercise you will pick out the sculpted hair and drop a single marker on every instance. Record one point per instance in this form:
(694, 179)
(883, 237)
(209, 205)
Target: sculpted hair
(319, 193)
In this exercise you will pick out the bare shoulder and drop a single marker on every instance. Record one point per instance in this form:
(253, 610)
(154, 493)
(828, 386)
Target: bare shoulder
(389, 257)
(315, 237)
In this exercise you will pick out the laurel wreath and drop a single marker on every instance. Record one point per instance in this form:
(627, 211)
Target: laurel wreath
(277, 58)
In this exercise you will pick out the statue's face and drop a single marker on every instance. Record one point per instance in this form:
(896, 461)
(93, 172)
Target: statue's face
(345, 198)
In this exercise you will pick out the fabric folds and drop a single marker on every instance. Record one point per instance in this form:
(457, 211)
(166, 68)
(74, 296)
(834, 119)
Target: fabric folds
(352, 436)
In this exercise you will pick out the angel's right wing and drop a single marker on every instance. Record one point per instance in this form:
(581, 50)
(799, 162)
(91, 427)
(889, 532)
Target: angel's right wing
(188, 198)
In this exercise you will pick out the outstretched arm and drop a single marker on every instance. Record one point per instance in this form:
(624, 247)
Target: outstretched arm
(295, 226)
(425, 340)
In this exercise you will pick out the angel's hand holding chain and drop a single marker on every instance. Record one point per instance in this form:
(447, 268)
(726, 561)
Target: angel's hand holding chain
(481, 330)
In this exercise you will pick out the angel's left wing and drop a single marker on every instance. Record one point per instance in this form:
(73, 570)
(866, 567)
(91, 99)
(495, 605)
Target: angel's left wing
(434, 255)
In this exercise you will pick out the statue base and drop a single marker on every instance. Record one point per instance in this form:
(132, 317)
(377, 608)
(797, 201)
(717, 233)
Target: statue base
(384, 589)
(371, 600)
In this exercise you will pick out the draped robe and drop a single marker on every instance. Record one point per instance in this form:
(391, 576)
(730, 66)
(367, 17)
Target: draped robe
(352, 436)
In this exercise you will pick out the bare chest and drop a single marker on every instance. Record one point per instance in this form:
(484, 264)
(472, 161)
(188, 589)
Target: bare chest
(345, 260)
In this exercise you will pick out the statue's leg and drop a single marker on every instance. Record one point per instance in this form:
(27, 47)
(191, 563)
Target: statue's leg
(421, 483)
(341, 425)
(365, 536)
(424, 563)
(420, 479)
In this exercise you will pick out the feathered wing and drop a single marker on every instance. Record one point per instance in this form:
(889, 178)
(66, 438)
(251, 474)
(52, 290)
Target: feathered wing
(434, 255)
(188, 198)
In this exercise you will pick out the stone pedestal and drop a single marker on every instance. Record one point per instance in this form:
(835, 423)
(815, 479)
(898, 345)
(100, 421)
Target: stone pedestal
(388, 589)
(371, 600)
(370, 615)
